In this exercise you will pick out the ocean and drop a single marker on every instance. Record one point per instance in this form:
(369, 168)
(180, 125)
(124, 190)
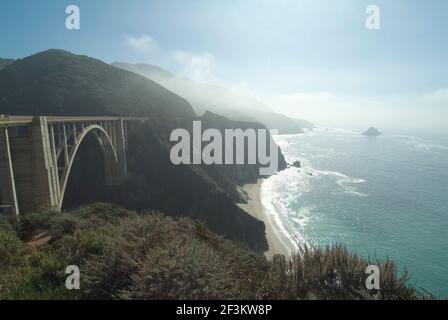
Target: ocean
(383, 196)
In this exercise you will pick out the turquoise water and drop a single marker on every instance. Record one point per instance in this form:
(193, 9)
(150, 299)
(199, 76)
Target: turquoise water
(381, 196)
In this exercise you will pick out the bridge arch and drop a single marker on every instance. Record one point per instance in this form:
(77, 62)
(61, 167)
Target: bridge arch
(35, 165)
(105, 142)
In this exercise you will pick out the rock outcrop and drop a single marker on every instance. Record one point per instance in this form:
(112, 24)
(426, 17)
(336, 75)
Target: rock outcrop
(373, 132)
(297, 164)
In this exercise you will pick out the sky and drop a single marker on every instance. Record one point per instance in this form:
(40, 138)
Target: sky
(305, 58)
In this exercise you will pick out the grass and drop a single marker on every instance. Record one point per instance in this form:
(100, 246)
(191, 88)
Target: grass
(125, 255)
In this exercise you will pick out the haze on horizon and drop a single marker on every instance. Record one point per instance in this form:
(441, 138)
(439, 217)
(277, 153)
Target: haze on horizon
(307, 59)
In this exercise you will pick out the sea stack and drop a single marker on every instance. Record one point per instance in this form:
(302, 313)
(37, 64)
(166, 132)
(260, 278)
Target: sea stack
(297, 164)
(372, 132)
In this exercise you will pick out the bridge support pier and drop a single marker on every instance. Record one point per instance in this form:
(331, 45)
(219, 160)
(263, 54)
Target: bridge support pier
(45, 189)
(8, 193)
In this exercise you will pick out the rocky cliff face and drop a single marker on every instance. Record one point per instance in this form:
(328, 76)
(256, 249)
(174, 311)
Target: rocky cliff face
(153, 182)
(230, 176)
(187, 190)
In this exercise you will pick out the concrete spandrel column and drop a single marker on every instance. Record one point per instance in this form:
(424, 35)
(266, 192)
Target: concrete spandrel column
(8, 186)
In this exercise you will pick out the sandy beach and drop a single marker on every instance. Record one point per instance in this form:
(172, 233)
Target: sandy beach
(278, 243)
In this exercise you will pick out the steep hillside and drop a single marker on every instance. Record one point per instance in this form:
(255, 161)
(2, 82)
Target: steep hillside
(229, 177)
(282, 123)
(57, 82)
(205, 193)
(5, 62)
(228, 103)
(125, 255)
(203, 96)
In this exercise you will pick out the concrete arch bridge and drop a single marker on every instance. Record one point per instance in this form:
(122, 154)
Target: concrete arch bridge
(38, 153)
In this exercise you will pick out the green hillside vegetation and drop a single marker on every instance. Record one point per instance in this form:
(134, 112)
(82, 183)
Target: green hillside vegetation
(125, 255)
(57, 82)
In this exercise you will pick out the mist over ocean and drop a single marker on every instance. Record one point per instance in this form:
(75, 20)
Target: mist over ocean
(380, 196)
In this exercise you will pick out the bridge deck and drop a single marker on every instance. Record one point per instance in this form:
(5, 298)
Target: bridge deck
(11, 121)
(15, 120)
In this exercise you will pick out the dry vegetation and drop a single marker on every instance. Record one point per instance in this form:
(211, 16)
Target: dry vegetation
(125, 255)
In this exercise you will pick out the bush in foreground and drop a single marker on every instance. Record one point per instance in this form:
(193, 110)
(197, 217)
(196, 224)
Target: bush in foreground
(125, 255)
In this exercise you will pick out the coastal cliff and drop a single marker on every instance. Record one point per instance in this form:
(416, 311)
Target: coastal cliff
(45, 83)
(229, 177)
(207, 194)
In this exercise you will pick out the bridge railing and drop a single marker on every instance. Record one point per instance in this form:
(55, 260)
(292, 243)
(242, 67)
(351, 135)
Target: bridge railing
(6, 120)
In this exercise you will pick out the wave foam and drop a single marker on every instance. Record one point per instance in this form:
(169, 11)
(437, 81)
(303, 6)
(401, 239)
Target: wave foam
(344, 181)
(422, 144)
(277, 194)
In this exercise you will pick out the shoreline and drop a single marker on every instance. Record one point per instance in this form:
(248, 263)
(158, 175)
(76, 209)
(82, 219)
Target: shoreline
(278, 242)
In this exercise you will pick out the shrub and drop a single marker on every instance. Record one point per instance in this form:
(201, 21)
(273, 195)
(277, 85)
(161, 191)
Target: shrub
(125, 255)
(8, 224)
(334, 273)
(126, 245)
(33, 223)
(12, 250)
(187, 271)
(102, 212)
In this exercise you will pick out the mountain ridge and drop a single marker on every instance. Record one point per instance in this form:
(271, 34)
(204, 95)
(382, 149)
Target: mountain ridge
(5, 62)
(44, 83)
(205, 97)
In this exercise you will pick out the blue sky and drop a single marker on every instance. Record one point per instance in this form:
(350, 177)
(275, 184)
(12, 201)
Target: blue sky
(306, 58)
